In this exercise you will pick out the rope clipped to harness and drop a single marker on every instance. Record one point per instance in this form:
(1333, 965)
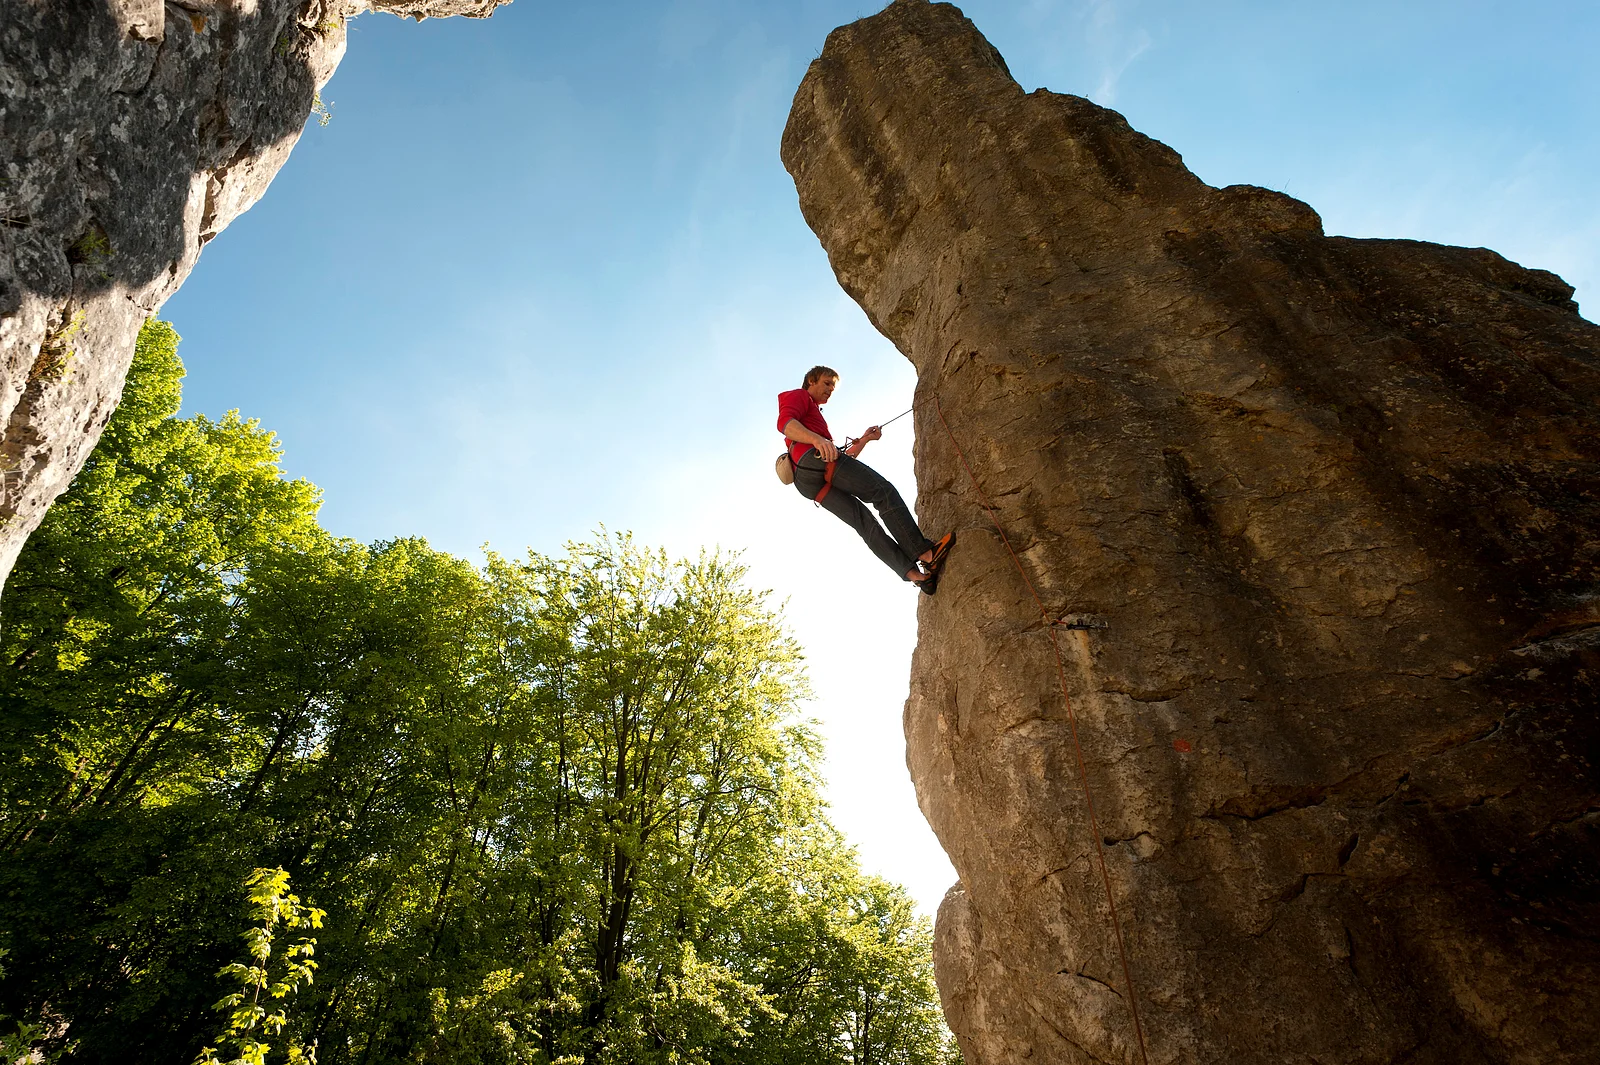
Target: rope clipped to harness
(827, 480)
(785, 465)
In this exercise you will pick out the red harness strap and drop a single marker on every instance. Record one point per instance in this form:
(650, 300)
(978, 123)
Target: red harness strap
(827, 483)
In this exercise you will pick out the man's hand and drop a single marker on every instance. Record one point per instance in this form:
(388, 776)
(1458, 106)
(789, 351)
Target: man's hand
(795, 431)
(873, 433)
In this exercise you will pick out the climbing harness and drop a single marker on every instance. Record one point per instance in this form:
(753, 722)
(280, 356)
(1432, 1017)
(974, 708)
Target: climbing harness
(786, 467)
(827, 483)
(1072, 721)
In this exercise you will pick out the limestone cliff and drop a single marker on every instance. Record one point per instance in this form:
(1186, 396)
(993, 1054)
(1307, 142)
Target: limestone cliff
(131, 133)
(1337, 505)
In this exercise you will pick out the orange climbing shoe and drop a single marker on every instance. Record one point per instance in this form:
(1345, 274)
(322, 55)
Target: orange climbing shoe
(940, 549)
(930, 583)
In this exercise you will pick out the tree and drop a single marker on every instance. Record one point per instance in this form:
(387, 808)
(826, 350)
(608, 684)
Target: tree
(133, 572)
(249, 1009)
(847, 962)
(115, 854)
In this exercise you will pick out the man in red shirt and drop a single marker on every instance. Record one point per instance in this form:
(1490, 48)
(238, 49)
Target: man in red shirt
(854, 484)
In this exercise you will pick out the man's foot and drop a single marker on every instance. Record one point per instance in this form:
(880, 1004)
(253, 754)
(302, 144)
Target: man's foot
(924, 580)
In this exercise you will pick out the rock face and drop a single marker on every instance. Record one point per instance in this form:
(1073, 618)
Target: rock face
(131, 133)
(1336, 503)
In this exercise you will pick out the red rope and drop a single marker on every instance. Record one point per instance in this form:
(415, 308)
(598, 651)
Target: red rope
(1072, 721)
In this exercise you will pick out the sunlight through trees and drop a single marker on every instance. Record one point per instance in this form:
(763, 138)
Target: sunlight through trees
(557, 809)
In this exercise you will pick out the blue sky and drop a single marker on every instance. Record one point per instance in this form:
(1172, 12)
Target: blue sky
(545, 271)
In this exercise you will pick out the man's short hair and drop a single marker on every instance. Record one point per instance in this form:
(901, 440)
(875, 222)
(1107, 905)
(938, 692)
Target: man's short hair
(817, 373)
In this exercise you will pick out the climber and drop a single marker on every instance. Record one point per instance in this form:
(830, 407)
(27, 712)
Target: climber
(841, 483)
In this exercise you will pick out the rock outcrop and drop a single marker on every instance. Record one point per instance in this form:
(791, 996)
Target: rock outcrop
(131, 133)
(1336, 503)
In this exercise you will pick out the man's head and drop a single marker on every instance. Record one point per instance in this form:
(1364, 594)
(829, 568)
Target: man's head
(820, 382)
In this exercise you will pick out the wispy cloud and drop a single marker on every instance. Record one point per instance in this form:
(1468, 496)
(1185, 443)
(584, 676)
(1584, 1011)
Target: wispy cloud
(1115, 40)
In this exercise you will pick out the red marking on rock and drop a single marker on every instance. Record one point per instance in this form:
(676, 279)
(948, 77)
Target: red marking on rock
(1182, 746)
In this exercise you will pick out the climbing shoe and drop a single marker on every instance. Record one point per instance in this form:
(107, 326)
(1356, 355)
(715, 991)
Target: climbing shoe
(940, 549)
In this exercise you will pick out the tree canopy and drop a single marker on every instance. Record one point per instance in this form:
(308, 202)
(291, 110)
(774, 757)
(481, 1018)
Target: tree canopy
(556, 808)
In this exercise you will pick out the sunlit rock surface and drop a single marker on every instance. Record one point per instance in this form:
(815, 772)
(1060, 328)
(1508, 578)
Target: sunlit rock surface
(1337, 505)
(131, 133)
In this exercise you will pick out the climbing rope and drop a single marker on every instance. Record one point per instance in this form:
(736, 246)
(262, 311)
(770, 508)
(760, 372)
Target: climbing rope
(1072, 721)
(827, 479)
(897, 417)
(850, 439)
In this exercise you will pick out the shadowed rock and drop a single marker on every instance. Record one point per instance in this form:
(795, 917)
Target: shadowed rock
(131, 133)
(1337, 505)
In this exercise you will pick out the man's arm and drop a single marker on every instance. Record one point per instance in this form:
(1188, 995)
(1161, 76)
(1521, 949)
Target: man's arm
(872, 433)
(795, 431)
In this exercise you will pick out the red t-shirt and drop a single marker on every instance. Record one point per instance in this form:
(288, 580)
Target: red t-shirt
(799, 404)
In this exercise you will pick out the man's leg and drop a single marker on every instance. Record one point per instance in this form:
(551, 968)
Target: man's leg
(808, 478)
(854, 513)
(870, 486)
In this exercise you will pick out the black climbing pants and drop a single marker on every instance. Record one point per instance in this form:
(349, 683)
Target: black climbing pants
(856, 484)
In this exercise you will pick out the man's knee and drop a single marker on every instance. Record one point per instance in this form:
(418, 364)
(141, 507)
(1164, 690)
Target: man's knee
(868, 483)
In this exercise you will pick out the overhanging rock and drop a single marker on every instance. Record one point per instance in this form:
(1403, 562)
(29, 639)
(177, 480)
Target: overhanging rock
(131, 133)
(1336, 504)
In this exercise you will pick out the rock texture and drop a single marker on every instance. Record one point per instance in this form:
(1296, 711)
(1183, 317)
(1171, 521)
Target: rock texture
(1337, 504)
(131, 133)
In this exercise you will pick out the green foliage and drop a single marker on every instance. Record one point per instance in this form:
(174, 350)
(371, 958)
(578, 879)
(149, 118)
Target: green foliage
(92, 248)
(123, 596)
(559, 809)
(271, 905)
